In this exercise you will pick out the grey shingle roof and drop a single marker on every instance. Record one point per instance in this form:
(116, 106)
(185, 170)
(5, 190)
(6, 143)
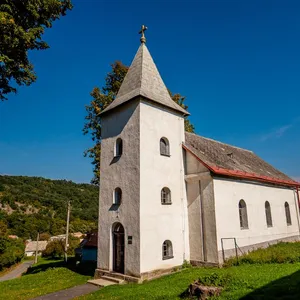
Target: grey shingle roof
(143, 79)
(31, 246)
(219, 155)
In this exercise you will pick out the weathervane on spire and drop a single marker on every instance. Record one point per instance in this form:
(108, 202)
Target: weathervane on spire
(142, 32)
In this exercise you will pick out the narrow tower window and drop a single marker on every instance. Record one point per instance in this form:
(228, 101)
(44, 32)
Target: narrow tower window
(117, 196)
(119, 147)
(268, 214)
(167, 250)
(287, 214)
(243, 214)
(166, 196)
(164, 147)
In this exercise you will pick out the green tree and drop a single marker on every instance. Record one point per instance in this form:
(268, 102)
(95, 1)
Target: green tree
(22, 24)
(54, 249)
(101, 98)
(3, 229)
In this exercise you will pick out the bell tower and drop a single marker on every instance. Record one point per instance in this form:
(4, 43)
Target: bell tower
(143, 224)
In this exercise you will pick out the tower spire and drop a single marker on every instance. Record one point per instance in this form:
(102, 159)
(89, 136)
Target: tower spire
(142, 32)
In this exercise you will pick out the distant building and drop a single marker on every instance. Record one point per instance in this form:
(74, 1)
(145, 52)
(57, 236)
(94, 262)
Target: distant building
(63, 236)
(88, 247)
(31, 247)
(12, 236)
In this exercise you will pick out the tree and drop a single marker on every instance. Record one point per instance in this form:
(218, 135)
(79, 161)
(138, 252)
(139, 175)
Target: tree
(22, 24)
(101, 99)
(55, 249)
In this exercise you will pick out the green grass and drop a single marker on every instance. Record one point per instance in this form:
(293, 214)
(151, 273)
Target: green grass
(279, 253)
(270, 281)
(45, 277)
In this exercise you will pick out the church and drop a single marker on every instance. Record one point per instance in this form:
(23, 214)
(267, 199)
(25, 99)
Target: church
(169, 197)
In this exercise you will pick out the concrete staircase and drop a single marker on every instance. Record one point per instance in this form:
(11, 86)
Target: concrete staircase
(106, 280)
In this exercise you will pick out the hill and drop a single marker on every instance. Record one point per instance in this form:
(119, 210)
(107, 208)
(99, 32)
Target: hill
(31, 204)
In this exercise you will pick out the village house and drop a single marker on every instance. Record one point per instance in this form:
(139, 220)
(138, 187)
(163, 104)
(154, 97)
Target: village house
(168, 196)
(31, 246)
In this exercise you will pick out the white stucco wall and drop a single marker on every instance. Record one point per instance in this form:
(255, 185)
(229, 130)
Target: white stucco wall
(161, 222)
(228, 193)
(123, 173)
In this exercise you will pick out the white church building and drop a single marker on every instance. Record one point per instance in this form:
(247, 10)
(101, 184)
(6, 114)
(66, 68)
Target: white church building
(168, 196)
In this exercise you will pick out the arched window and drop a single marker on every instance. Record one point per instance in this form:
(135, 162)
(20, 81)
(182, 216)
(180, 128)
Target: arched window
(268, 214)
(166, 196)
(164, 147)
(287, 214)
(243, 214)
(117, 196)
(119, 147)
(167, 250)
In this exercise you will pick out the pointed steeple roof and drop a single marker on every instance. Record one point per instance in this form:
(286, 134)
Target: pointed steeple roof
(143, 79)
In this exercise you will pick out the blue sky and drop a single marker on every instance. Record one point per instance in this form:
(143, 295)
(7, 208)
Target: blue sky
(237, 63)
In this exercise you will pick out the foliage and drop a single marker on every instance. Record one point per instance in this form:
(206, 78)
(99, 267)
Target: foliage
(3, 229)
(215, 279)
(278, 253)
(186, 264)
(51, 278)
(44, 236)
(11, 251)
(73, 244)
(22, 24)
(55, 249)
(101, 99)
(41, 205)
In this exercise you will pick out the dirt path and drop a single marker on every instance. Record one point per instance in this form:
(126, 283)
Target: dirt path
(18, 271)
(70, 293)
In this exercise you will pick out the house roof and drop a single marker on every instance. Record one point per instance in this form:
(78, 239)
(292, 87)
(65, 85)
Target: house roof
(143, 79)
(31, 246)
(227, 160)
(91, 239)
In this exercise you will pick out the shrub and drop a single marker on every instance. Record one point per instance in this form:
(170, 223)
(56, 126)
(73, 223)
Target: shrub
(215, 279)
(279, 253)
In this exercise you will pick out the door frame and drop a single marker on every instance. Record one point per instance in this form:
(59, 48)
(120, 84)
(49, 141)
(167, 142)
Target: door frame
(118, 237)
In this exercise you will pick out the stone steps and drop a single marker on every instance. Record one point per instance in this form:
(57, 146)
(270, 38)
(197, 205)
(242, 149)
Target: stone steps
(101, 282)
(113, 279)
(100, 273)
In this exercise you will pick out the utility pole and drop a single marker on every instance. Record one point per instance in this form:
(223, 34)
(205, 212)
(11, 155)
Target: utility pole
(37, 248)
(67, 231)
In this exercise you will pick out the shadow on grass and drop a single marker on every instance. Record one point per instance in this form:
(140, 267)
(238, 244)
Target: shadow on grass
(285, 288)
(84, 268)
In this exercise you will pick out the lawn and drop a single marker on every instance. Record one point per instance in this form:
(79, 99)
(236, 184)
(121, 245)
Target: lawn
(45, 277)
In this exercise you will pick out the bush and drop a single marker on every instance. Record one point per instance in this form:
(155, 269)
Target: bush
(215, 279)
(279, 253)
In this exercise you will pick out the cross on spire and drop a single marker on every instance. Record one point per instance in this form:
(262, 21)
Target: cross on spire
(142, 32)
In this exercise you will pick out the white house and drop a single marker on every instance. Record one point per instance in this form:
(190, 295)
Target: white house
(30, 248)
(167, 196)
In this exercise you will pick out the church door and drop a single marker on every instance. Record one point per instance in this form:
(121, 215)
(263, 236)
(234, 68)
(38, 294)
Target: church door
(118, 248)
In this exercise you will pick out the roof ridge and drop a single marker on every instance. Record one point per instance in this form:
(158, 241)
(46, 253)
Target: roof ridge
(210, 139)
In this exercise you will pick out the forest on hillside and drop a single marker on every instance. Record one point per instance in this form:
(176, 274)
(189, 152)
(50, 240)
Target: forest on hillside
(33, 204)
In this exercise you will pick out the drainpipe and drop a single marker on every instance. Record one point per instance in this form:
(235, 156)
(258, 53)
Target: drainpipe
(298, 212)
(297, 193)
